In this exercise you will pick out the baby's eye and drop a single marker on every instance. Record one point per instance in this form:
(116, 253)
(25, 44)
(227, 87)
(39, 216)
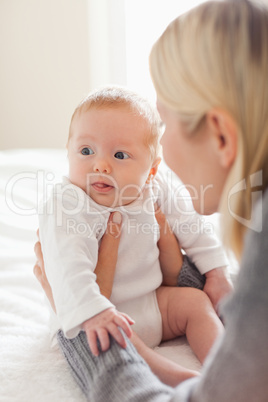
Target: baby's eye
(87, 151)
(121, 155)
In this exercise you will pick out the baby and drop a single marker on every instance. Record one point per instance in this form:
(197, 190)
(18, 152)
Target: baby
(113, 151)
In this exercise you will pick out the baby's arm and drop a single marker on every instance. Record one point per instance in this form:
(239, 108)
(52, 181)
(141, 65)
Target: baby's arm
(69, 238)
(177, 269)
(107, 258)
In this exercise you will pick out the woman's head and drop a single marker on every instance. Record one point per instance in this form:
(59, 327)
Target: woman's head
(215, 58)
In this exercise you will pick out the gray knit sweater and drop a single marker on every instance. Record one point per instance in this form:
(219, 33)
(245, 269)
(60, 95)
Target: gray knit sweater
(235, 371)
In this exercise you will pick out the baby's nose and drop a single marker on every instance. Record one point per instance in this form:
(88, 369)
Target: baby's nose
(102, 166)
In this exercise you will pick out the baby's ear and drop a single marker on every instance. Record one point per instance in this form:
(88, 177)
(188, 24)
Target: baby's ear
(154, 167)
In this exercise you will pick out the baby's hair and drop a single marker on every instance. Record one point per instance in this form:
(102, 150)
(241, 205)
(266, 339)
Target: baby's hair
(116, 97)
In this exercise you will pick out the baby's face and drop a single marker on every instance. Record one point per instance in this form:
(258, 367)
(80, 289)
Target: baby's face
(108, 157)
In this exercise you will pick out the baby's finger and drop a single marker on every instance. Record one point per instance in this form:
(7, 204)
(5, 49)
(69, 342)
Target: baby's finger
(117, 335)
(123, 323)
(128, 318)
(104, 339)
(92, 342)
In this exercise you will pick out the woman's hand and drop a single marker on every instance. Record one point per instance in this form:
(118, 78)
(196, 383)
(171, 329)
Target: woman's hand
(170, 255)
(40, 273)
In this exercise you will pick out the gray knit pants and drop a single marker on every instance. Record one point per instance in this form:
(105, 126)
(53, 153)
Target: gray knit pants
(118, 375)
(190, 276)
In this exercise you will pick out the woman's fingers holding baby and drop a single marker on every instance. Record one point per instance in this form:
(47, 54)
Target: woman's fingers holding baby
(40, 273)
(39, 270)
(114, 224)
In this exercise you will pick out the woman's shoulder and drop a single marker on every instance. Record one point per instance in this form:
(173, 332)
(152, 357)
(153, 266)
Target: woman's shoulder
(253, 270)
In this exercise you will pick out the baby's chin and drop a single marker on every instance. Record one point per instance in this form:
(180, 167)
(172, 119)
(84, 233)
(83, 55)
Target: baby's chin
(115, 202)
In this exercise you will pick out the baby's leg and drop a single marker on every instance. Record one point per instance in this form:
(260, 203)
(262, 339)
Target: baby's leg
(188, 311)
(167, 371)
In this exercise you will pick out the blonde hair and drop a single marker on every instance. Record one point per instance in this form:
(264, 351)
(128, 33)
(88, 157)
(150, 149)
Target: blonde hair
(216, 55)
(116, 97)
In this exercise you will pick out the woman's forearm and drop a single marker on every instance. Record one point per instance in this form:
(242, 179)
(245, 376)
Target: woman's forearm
(107, 258)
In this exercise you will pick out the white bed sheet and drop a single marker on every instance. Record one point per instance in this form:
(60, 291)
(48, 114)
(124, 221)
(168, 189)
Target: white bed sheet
(30, 370)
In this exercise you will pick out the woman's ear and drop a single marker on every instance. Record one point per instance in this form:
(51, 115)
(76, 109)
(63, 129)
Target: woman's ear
(153, 169)
(224, 132)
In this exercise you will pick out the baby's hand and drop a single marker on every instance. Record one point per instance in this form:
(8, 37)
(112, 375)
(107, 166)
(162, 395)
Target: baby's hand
(218, 285)
(107, 322)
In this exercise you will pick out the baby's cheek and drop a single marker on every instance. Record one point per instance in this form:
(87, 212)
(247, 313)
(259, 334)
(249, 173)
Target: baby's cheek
(78, 178)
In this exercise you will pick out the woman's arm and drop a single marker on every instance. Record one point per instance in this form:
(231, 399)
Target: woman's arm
(170, 257)
(237, 371)
(107, 257)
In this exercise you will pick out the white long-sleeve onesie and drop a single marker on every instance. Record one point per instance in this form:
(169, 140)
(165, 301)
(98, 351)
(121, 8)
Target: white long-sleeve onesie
(71, 228)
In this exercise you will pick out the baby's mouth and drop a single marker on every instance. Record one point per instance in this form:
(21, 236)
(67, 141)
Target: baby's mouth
(102, 187)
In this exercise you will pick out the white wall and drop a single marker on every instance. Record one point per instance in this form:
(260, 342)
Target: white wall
(44, 69)
(52, 52)
(145, 22)
(107, 42)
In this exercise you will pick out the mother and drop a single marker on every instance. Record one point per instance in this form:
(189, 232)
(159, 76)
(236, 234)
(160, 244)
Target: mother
(210, 69)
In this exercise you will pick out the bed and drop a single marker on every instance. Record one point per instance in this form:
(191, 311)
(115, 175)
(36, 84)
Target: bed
(30, 370)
